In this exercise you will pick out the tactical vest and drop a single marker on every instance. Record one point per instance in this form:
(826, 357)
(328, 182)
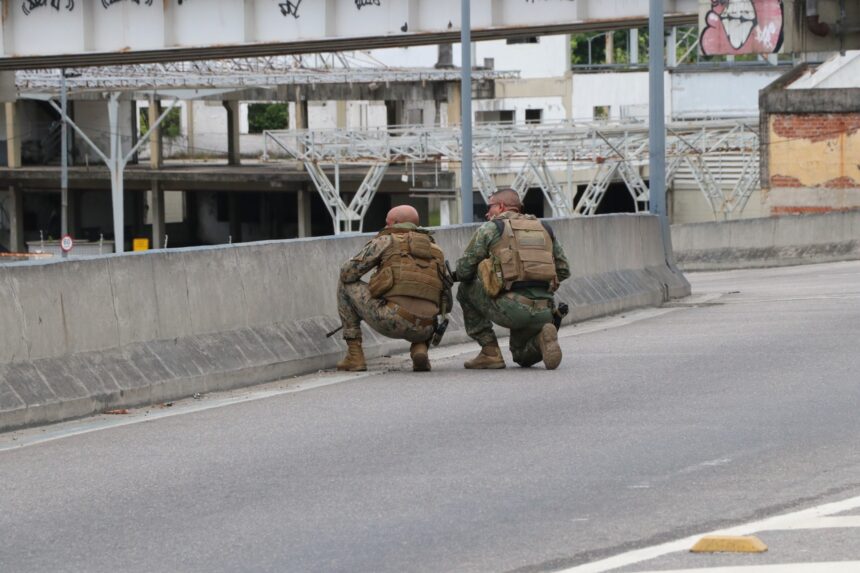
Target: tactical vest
(411, 266)
(523, 253)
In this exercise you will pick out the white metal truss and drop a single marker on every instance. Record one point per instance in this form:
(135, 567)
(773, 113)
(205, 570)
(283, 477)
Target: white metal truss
(346, 218)
(236, 74)
(614, 151)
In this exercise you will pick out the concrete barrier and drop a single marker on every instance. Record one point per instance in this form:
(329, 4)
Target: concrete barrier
(80, 337)
(767, 242)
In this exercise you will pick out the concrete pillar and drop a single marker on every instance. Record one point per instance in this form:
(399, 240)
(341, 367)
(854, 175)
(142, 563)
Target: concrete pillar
(301, 111)
(189, 125)
(610, 48)
(454, 111)
(672, 48)
(156, 152)
(232, 108)
(13, 135)
(633, 46)
(341, 114)
(156, 206)
(304, 212)
(235, 223)
(16, 220)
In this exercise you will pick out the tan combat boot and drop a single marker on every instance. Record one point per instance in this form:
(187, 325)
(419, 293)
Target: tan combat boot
(549, 348)
(490, 358)
(420, 358)
(354, 359)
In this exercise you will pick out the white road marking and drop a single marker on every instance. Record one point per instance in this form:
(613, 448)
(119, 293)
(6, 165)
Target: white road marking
(33, 436)
(779, 522)
(831, 567)
(846, 521)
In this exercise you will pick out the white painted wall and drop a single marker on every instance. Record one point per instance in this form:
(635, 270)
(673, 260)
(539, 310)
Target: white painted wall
(553, 107)
(706, 94)
(624, 93)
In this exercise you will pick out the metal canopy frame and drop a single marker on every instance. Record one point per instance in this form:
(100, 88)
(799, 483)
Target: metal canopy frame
(613, 151)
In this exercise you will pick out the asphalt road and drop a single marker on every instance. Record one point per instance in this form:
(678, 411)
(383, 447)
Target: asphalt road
(732, 406)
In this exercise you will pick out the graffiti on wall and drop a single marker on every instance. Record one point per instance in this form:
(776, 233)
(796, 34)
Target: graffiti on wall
(29, 5)
(290, 8)
(734, 27)
(359, 4)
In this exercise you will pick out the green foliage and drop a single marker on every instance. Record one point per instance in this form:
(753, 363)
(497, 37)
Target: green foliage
(171, 127)
(264, 116)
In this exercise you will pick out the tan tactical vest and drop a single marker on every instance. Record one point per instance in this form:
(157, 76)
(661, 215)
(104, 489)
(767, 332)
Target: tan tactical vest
(523, 254)
(411, 268)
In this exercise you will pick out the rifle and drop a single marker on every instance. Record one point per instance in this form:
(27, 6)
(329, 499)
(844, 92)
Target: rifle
(440, 331)
(335, 331)
(558, 313)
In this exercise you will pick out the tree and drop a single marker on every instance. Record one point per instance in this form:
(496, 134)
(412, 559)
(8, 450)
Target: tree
(266, 116)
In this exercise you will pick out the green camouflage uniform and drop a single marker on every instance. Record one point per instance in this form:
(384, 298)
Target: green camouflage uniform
(480, 311)
(355, 304)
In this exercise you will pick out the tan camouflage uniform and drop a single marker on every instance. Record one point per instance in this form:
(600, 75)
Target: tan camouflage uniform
(355, 304)
(480, 311)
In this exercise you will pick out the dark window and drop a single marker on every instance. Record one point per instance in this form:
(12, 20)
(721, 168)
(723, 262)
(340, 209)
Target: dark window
(534, 115)
(525, 40)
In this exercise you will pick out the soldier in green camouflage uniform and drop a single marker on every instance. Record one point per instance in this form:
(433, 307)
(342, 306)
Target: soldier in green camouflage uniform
(527, 312)
(400, 317)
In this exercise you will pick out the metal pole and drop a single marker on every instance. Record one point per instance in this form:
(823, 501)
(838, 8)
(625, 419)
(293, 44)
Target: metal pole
(657, 123)
(466, 112)
(64, 160)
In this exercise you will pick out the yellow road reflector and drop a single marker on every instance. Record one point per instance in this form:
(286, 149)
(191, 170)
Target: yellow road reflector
(729, 544)
(140, 245)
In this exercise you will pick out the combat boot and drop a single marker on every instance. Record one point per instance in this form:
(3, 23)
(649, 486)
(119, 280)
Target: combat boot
(489, 358)
(420, 358)
(354, 359)
(549, 348)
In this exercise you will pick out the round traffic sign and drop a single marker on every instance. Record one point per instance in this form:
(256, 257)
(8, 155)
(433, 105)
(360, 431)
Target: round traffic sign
(66, 243)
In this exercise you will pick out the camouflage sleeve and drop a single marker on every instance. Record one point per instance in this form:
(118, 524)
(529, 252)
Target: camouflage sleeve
(477, 250)
(368, 258)
(562, 266)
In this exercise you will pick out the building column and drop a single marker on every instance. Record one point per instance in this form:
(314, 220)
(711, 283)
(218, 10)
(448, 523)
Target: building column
(232, 108)
(454, 111)
(156, 213)
(13, 135)
(610, 48)
(304, 212)
(16, 220)
(341, 114)
(156, 152)
(633, 46)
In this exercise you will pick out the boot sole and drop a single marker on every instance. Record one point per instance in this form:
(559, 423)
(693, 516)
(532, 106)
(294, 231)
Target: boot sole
(487, 367)
(549, 348)
(352, 369)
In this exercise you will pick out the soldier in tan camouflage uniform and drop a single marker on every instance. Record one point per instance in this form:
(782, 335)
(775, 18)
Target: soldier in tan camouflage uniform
(508, 274)
(405, 294)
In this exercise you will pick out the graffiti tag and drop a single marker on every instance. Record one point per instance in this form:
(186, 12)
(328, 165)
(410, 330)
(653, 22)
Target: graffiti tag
(290, 8)
(735, 27)
(29, 5)
(359, 4)
(108, 3)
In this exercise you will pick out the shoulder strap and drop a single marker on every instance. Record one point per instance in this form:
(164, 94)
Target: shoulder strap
(548, 230)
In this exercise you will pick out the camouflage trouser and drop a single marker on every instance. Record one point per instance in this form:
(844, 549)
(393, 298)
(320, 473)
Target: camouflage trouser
(480, 312)
(355, 304)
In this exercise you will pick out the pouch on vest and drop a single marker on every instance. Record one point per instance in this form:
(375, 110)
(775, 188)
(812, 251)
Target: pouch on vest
(490, 275)
(381, 282)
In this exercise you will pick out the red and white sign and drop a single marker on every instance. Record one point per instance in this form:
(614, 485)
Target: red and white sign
(66, 243)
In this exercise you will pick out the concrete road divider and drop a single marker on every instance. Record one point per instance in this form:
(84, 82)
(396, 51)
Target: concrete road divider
(81, 337)
(767, 242)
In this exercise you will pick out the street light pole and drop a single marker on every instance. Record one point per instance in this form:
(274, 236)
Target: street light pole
(467, 209)
(657, 123)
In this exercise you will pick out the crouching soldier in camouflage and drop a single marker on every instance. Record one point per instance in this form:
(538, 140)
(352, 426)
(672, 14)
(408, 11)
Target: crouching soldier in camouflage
(408, 290)
(507, 275)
